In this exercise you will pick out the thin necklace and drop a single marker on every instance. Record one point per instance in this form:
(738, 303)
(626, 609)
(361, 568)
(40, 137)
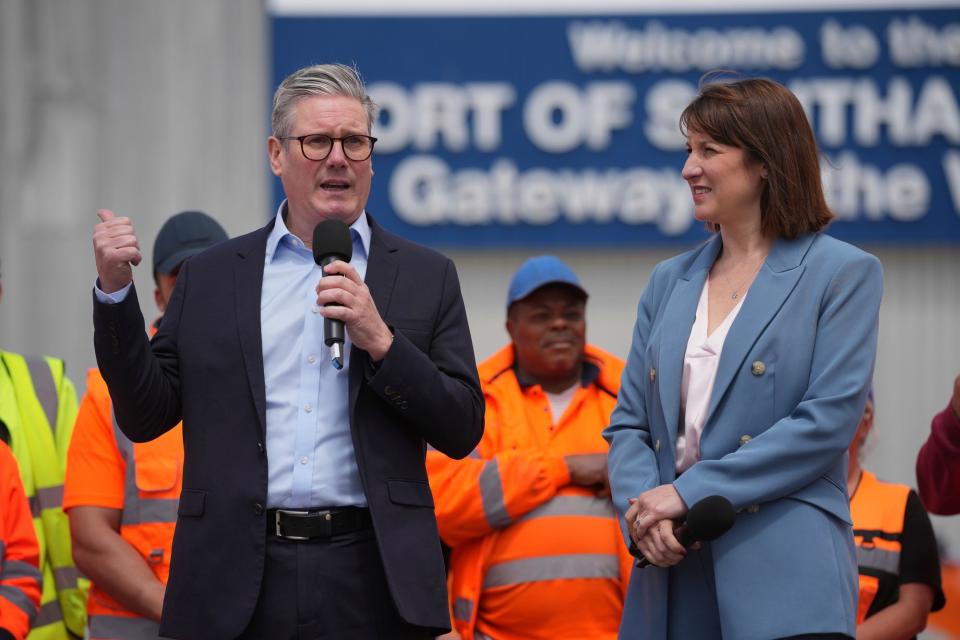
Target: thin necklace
(735, 291)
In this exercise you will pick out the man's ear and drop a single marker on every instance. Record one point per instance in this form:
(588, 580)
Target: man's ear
(274, 149)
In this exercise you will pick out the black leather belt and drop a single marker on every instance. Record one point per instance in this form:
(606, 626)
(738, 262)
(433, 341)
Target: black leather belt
(311, 524)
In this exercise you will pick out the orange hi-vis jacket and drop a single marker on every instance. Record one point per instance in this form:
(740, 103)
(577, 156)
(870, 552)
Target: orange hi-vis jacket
(19, 552)
(532, 555)
(877, 510)
(143, 480)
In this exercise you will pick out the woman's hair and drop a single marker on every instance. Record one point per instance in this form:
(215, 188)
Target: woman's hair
(765, 119)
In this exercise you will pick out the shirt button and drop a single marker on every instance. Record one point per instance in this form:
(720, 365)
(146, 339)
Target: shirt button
(312, 359)
(304, 460)
(308, 408)
(315, 309)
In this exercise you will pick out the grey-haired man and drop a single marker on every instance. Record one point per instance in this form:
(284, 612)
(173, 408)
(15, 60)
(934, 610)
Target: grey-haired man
(305, 510)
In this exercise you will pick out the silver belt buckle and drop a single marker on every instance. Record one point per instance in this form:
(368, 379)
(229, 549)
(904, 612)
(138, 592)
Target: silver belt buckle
(293, 513)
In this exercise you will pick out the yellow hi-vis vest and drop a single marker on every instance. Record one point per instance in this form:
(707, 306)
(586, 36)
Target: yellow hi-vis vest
(47, 407)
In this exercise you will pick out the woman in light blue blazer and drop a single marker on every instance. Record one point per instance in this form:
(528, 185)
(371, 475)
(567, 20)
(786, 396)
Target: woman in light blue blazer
(747, 375)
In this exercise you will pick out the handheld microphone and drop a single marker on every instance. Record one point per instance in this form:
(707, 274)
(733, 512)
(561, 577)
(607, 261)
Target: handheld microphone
(331, 241)
(707, 520)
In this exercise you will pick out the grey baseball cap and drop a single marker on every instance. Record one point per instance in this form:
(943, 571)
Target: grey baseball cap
(182, 236)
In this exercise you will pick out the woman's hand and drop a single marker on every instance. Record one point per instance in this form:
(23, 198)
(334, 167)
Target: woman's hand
(650, 507)
(659, 546)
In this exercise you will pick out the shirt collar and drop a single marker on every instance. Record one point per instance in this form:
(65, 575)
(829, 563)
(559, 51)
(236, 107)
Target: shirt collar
(589, 372)
(359, 229)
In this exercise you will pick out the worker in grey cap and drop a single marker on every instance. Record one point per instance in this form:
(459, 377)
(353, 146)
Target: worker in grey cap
(112, 482)
(182, 236)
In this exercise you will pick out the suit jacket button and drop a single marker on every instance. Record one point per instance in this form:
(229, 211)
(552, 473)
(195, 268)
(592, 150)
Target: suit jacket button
(745, 439)
(653, 374)
(656, 446)
(390, 391)
(758, 368)
(257, 509)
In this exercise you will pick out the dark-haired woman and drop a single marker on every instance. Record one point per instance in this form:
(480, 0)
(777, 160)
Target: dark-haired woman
(748, 372)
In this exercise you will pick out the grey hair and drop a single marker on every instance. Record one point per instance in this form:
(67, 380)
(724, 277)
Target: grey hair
(318, 80)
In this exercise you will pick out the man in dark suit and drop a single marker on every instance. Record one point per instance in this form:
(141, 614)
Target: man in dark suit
(305, 510)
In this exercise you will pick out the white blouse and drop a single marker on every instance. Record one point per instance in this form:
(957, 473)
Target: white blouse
(699, 373)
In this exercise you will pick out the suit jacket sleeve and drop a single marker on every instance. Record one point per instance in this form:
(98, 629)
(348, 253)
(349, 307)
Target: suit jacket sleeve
(631, 462)
(799, 448)
(144, 380)
(436, 392)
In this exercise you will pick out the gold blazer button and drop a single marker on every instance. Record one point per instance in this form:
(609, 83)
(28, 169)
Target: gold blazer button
(656, 446)
(758, 368)
(653, 374)
(745, 439)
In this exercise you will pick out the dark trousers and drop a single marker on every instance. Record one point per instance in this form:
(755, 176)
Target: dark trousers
(328, 589)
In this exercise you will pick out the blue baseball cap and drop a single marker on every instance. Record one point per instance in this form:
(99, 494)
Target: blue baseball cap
(538, 272)
(182, 236)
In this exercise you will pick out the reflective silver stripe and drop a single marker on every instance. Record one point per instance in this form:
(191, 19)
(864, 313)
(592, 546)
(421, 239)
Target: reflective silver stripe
(102, 627)
(66, 578)
(491, 495)
(580, 565)
(49, 614)
(151, 510)
(588, 506)
(137, 510)
(879, 559)
(19, 599)
(462, 609)
(18, 569)
(50, 497)
(45, 387)
(34, 506)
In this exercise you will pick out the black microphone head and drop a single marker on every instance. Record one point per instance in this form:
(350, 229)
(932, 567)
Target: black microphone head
(710, 518)
(331, 240)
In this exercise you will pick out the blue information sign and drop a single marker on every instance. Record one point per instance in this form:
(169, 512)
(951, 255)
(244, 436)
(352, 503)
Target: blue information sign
(562, 130)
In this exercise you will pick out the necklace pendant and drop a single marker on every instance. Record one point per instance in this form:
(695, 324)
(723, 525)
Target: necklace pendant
(733, 296)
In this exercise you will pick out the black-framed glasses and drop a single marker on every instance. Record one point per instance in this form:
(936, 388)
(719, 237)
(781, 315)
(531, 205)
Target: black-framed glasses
(317, 146)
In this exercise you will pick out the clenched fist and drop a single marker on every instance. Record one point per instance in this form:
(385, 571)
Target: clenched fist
(116, 250)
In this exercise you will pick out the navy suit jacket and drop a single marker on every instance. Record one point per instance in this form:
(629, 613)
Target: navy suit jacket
(205, 366)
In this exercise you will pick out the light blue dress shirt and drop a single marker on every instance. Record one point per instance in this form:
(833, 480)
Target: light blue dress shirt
(310, 456)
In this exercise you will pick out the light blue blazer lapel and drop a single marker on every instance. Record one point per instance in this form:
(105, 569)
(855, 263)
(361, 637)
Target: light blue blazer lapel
(676, 323)
(770, 289)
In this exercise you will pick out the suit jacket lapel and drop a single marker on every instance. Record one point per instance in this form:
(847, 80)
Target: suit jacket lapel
(248, 284)
(770, 289)
(678, 317)
(380, 278)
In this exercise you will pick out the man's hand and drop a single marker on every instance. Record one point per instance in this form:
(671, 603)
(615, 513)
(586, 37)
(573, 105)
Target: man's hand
(342, 285)
(589, 470)
(955, 400)
(116, 251)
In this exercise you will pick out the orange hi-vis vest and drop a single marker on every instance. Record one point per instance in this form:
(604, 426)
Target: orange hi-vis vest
(878, 509)
(528, 548)
(152, 475)
(20, 578)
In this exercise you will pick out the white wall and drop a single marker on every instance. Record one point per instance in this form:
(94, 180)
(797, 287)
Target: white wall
(150, 108)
